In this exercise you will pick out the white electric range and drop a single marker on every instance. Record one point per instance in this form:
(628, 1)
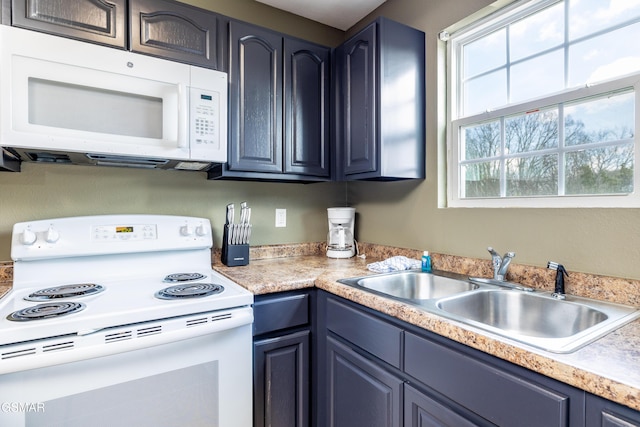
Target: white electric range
(125, 308)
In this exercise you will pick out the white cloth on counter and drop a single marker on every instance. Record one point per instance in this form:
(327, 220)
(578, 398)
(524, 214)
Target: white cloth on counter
(396, 263)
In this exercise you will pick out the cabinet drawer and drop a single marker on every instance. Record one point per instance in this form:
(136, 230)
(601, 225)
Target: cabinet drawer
(496, 395)
(275, 312)
(379, 338)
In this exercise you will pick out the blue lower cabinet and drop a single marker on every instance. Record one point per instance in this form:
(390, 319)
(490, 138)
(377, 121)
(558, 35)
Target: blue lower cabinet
(604, 413)
(360, 392)
(282, 360)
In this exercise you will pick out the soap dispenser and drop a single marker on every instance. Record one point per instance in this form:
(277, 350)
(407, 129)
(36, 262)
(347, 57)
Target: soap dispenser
(426, 261)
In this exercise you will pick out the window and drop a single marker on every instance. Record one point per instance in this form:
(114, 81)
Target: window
(542, 106)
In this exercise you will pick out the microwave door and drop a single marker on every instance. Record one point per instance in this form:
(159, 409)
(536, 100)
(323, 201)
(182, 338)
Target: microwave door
(63, 106)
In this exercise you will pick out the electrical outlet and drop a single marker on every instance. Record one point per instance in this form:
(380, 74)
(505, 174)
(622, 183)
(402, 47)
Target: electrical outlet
(281, 217)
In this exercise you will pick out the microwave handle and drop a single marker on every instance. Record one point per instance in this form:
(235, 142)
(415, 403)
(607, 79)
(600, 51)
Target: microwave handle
(183, 116)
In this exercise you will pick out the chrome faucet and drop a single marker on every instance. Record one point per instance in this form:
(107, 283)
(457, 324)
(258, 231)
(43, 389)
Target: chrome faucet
(500, 264)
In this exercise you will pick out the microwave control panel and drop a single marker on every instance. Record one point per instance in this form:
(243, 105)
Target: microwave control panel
(207, 139)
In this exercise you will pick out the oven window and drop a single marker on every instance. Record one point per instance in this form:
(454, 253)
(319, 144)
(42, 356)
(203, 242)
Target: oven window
(68, 106)
(182, 397)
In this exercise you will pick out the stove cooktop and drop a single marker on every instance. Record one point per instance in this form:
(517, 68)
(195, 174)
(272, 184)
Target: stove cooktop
(136, 268)
(120, 302)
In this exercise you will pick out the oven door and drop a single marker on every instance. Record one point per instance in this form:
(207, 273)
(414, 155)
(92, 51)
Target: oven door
(204, 380)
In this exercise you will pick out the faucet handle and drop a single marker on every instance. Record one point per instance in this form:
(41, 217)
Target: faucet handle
(558, 292)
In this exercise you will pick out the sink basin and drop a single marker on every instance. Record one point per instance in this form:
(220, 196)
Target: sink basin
(412, 285)
(515, 312)
(525, 313)
(537, 319)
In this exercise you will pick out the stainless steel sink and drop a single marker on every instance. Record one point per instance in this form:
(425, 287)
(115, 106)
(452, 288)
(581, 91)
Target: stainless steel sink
(530, 317)
(412, 285)
(522, 313)
(536, 318)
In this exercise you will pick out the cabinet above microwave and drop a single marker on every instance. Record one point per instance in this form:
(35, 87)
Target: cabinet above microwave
(163, 28)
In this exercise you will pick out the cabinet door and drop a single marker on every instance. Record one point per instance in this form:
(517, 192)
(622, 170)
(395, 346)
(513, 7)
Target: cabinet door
(494, 393)
(422, 411)
(306, 108)
(604, 413)
(281, 381)
(255, 99)
(360, 393)
(177, 31)
(357, 71)
(98, 21)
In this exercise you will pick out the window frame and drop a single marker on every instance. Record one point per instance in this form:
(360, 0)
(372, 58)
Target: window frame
(454, 43)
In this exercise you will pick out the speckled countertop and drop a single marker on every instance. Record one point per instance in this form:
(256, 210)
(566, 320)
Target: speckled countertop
(608, 367)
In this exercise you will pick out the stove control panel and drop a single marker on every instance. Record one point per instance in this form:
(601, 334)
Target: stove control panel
(108, 234)
(124, 232)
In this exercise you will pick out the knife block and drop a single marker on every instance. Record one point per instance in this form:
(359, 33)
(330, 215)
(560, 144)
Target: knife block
(233, 255)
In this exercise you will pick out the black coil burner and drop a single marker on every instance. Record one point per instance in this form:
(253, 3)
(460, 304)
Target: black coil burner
(46, 311)
(195, 290)
(65, 291)
(183, 277)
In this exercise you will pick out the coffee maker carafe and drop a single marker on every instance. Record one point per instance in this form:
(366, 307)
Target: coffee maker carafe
(340, 241)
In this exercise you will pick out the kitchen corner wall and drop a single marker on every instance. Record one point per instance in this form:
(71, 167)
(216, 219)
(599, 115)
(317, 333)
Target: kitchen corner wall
(406, 214)
(50, 191)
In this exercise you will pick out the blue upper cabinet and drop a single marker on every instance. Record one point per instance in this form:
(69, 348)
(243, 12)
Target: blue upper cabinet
(177, 31)
(278, 107)
(97, 21)
(307, 124)
(162, 28)
(380, 104)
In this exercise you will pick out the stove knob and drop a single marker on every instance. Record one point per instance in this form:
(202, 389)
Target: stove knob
(52, 235)
(201, 230)
(29, 237)
(186, 230)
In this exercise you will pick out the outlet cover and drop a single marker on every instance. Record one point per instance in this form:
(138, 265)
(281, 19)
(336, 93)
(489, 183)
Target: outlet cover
(281, 217)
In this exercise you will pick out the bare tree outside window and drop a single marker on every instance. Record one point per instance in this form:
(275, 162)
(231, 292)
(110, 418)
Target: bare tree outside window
(534, 161)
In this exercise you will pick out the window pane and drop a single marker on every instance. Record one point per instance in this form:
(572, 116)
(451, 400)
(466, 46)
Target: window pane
(537, 33)
(532, 176)
(485, 54)
(481, 179)
(537, 76)
(576, 138)
(606, 170)
(481, 141)
(589, 16)
(485, 92)
(600, 120)
(605, 57)
(531, 132)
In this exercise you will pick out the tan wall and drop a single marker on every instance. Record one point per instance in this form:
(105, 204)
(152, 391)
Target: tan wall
(275, 19)
(48, 191)
(600, 241)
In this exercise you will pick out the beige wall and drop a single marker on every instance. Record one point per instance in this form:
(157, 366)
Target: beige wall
(275, 19)
(48, 191)
(600, 241)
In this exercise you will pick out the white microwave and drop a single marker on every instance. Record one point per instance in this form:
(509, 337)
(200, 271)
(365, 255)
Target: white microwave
(66, 101)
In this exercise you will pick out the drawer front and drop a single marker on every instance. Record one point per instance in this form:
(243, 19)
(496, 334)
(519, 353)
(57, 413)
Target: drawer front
(373, 335)
(273, 313)
(498, 396)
